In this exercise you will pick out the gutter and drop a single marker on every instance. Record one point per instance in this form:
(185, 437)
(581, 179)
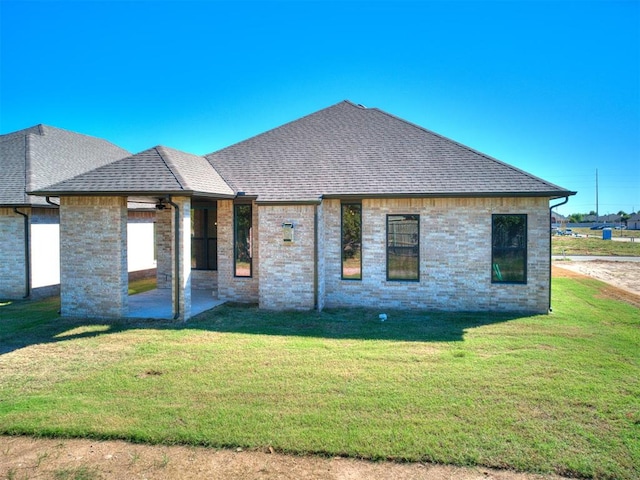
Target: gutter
(27, 254)
(566, 199)
(176, 256)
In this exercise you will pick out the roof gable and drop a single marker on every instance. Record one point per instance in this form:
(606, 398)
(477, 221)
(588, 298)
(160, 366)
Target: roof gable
(347, 149)
(158, 170)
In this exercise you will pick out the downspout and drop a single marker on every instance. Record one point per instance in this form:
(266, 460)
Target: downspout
(566, 199)
(176, 256)
(27, 254)
(47, 198)
(315, 258)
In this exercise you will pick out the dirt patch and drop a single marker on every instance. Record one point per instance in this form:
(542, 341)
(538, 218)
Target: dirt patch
(25, 457)
(623, 278)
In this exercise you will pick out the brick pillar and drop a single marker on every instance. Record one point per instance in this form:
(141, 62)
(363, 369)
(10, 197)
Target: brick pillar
(93, 257)
(163, 247)
(183, 253)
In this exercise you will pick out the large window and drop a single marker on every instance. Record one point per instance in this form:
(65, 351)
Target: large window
(403, 247)
(242, 240)
(352, 241)
(204, 237)
(509, 249)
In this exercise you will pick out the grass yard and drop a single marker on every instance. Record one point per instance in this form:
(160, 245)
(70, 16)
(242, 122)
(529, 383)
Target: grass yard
(552, 393)
(593, 246)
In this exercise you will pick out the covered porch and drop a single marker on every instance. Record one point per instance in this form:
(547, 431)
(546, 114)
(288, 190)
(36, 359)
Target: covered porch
(94, 280)
(93, 233)
(157, 304)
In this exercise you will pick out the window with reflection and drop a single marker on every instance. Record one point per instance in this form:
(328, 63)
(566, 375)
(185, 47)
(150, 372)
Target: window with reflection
(509, 248)
(242, 240)
(204, 237)
(352, 241)
(403, 247)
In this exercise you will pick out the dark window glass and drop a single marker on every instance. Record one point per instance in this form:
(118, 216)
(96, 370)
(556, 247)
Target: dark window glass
(403, 247)
(509, 249)
(352, 241)
(242, 240)
(204, 237)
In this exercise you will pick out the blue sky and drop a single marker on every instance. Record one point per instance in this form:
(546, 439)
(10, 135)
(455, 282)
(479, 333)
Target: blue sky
(551, 87)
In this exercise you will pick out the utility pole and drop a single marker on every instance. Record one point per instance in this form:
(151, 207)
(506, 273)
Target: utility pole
(597, 215)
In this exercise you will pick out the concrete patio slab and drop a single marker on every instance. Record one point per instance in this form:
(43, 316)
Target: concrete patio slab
(157, 303)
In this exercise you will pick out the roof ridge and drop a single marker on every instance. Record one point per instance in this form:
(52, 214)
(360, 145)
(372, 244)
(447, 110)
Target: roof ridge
(27, 166)
(473, 150)
(173, 168)
(42, 131)
(280, 126)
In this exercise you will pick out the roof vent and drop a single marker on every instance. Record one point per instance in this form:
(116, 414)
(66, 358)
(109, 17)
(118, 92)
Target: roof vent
(361, 105)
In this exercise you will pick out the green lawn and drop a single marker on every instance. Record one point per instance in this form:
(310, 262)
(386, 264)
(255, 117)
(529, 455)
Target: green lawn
(594, 245)
(551, 393)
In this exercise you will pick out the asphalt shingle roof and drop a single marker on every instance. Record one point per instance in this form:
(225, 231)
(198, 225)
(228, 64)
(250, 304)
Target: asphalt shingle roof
(159, 170)
(39, 156)
(347, 149)
(342, 150)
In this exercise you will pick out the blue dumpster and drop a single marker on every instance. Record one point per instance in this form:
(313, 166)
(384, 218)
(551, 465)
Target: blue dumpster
(606, 234)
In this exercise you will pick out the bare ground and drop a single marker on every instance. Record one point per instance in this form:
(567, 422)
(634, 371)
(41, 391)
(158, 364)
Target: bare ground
(25, 457)
(40, 458)
(623, 278)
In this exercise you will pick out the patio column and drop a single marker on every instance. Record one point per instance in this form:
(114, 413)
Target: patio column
(163, 247)
(181, 256)
(93, 257)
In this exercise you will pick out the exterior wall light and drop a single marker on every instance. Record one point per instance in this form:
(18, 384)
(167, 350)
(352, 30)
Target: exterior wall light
(287, 231)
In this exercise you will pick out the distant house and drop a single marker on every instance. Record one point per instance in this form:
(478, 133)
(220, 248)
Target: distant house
(29, 225)
(348, 206)
(634, 222)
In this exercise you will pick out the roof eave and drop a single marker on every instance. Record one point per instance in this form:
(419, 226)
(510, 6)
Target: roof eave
(551, 194)
(289, 202)
(131, 193)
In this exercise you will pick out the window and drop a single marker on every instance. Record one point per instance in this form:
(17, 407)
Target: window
(242, 240)
(351, 241)
(509, 249)
(204, 237)
(403, 247)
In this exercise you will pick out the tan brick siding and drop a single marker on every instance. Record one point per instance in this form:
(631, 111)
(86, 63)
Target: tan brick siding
(287, 268)
(455, 256)
(163, 236)
(231, 288)
(205, 280)
(12, 254)
(93, 256)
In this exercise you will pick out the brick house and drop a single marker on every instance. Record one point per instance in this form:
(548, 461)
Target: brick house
(348, 206)
(29, 225)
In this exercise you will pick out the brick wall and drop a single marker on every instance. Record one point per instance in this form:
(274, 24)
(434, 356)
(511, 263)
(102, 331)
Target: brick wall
(287, 268)
(205, 280)
(163, 248)
(455, 256)
(93, 257)
(231, 288)
(12, 254)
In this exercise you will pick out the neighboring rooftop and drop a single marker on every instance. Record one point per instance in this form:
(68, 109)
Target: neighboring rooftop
(39, 156)
(347, 149)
